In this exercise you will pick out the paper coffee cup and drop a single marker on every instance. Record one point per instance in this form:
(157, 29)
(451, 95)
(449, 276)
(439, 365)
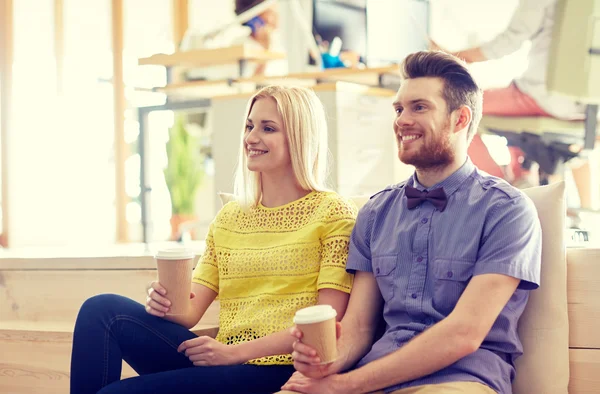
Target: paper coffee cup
(175, 275)
(317, 324)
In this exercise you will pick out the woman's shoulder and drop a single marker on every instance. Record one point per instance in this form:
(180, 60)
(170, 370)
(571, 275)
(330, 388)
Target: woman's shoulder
(337, 206)
(229, 210)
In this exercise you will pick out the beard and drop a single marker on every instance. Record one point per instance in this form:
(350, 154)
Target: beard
(433, 155)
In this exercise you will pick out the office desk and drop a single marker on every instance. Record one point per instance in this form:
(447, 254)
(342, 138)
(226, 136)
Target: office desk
(241, 54)
(388, 76)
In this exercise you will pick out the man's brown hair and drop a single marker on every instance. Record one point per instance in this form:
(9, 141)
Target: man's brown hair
(459, 86)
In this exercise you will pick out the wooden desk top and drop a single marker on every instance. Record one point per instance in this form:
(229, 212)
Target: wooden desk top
(214, 88)
(330, 74)
(211, 57)
(331, 86)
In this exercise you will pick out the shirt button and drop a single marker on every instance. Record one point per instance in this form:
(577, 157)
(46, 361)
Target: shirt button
(449, 274)
(419, 259)
(377, 270)
(424, 220)
(488, 183)
(414, 295)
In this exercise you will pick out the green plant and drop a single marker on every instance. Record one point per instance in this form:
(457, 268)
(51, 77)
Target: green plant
(184, 171)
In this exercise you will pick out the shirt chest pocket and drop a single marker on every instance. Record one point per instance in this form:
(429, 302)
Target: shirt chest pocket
(384, 268)
(450, 280)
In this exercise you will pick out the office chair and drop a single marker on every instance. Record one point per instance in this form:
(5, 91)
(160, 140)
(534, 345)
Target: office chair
(574, 72)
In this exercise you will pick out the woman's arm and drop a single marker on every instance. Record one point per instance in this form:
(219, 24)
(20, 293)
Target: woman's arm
(281, 342)
(158, 304)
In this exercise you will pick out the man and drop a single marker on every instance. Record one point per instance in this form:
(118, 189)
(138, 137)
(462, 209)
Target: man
(447, 257)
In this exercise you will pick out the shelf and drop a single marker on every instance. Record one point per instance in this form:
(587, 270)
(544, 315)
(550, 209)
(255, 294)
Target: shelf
(211, 57)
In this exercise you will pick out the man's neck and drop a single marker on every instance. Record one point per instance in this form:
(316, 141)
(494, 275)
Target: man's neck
(433, 176)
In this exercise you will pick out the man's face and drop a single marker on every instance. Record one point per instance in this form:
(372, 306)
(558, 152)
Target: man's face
(422, 124)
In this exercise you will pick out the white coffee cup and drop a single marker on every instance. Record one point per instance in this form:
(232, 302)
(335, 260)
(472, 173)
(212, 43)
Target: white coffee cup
(317, 324)
(174, 267)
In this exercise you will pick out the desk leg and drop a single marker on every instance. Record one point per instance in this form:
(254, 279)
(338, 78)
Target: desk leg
(591, 123)
(145, 188)
(243, 63)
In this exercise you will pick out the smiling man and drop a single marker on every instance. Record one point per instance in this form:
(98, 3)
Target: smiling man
(444, 261)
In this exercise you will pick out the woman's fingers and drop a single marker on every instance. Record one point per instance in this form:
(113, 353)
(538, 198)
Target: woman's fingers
(156, 306)
(157, 293)
(154, 312)
(154, 285)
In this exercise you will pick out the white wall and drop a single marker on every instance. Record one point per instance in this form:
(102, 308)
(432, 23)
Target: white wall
(459, 24)
(209, 14)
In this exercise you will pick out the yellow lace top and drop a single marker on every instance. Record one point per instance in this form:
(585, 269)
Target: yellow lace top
(267, 263)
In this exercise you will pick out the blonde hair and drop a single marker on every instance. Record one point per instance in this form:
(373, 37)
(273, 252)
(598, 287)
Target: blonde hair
(306, 128)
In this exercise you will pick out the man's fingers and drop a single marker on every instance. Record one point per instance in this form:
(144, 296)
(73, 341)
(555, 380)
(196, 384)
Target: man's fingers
(301, 348)
(296, 332)
(302, 358)
(296, 384)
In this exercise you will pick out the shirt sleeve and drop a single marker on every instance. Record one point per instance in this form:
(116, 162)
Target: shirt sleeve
(207, 269)
(525, 24)
(359, 256)
(335, 239)
(512, 243)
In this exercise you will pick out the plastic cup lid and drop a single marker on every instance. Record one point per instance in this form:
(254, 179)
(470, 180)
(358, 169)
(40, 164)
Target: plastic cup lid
(174, 254)
(314, 314)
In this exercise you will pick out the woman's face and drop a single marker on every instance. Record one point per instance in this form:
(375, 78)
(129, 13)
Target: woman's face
(265, 139)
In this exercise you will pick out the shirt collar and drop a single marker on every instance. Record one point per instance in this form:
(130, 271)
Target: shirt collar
(450, 184)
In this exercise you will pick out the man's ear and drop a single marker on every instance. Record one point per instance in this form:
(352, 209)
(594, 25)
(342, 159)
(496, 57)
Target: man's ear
(463, 118)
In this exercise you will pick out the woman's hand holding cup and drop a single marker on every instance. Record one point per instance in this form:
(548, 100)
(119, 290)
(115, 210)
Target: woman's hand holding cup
(156, 302)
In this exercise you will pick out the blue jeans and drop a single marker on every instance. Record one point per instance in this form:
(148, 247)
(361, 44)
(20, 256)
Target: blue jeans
(111, 328)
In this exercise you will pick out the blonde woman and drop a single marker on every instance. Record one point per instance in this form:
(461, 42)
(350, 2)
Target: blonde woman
(281, 246)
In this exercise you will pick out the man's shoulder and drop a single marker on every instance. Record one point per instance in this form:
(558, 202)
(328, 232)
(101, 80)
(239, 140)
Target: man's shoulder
(388, 191)
(496, 193)
(494, 187)
(384, 196)
(380, 200)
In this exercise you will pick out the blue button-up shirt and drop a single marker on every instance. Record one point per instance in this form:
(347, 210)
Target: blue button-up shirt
(423, 259)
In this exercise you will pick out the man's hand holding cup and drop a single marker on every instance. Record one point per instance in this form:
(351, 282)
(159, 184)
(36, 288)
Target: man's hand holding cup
(315, 351)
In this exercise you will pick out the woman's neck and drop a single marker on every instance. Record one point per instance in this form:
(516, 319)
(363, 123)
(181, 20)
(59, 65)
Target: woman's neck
(280, 191)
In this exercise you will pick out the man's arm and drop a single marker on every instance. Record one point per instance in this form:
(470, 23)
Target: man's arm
(453, 338)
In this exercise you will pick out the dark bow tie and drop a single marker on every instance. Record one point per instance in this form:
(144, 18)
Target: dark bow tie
(436, 196)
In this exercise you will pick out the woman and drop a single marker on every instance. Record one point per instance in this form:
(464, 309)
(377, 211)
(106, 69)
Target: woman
(281, 246)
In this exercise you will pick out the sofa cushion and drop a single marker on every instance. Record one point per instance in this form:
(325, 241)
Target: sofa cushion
(544, 325)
